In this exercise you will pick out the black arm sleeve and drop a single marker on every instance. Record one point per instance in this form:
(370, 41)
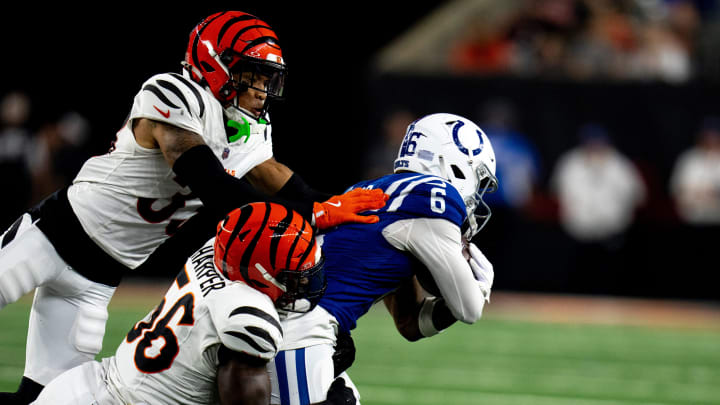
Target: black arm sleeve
(220, 192)
(297, 189)
(169, 258)
(339, 394)
(344, 355)
(442, 318)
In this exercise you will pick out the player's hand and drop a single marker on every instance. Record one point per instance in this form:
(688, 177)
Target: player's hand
(339, 394)
(345, 208)
(344, 355)
(482, 269)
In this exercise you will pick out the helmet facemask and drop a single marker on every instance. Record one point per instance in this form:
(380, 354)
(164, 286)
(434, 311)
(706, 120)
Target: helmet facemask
(478, 212)
(259, 75)
(302, 289)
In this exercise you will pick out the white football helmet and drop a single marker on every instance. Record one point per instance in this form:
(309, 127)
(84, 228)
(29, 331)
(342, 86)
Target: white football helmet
(455, 149)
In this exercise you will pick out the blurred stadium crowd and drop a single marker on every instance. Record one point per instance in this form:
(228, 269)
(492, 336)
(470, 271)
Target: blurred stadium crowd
(36, 159)
(594, 190)
(586, 39)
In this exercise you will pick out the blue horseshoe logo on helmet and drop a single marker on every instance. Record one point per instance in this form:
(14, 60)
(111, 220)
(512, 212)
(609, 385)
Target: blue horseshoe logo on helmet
(463, 149)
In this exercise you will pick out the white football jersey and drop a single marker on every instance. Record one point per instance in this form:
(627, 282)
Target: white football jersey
(170, 357)
(129, 200)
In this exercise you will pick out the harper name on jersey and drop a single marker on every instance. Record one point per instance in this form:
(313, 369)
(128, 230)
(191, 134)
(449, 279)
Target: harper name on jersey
(129, 200)
(362, 266)
(170, 357)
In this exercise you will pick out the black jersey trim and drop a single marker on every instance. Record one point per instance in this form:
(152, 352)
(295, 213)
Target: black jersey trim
(250, 341)
(262, 334)
(194, 90)
(11, 233)
(58, 222)
(175, 90)
(182, 278)
(258, 313)
(157, 92)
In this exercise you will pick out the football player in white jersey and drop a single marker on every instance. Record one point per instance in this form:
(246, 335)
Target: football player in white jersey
(188, 141)
(209, 339)
(444, 167)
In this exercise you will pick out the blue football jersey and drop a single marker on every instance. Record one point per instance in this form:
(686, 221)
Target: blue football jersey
(360, 265)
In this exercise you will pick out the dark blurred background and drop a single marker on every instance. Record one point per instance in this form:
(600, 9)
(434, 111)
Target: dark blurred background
(603, 115)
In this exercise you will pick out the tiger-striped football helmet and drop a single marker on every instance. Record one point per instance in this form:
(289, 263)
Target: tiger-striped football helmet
(231, 51)
(272, 249)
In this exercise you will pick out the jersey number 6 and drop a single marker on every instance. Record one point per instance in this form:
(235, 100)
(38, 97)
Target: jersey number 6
(437, 200)
(150, 357)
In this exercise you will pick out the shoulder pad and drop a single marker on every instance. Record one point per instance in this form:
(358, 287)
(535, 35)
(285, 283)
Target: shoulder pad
(249, 323)
(171, 98)
(427, 196)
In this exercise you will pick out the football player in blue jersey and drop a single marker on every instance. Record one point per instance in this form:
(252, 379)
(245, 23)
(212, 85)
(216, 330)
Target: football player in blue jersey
(444, 167)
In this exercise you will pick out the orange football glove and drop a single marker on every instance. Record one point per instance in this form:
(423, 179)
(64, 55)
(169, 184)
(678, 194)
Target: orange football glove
(345, 207)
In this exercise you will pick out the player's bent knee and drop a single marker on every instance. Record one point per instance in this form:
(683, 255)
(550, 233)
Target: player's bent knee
(27, 260)
(89, 329)
(16, 282)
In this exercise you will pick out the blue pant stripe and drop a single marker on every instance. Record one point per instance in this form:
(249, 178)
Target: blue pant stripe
(302, 377)
(282, 378)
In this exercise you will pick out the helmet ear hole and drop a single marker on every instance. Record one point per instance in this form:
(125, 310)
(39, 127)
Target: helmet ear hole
(457, 172)
(207, 67)
(226, 58)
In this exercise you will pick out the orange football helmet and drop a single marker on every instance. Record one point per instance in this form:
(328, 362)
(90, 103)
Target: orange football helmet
(235, 42)
(272, 249)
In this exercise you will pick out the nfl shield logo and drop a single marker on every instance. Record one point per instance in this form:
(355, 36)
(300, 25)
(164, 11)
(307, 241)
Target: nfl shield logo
(225, 153)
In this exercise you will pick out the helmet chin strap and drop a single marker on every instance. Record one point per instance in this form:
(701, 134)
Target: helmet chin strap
(240, 114)
(245, 123)
(235, 105)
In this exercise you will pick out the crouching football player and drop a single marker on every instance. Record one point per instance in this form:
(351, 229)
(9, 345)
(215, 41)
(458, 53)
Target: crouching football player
(212, 335)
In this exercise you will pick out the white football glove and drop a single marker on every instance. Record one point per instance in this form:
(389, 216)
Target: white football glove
(482, 269)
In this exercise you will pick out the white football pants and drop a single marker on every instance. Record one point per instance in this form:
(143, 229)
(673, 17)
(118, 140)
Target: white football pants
(69, 312)
(82, 385)
(303, 370)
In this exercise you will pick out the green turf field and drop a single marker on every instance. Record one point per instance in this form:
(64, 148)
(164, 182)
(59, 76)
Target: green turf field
(495, 361)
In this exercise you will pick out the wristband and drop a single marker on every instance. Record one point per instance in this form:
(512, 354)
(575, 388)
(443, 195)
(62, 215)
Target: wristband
(425, 322)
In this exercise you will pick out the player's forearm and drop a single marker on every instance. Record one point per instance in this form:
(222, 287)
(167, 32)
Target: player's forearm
(405, 315)
(415, 315)
(241, 379)
(434, 316)
(200, 170)
(269, 176)
(426, 318)
(437, 244)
